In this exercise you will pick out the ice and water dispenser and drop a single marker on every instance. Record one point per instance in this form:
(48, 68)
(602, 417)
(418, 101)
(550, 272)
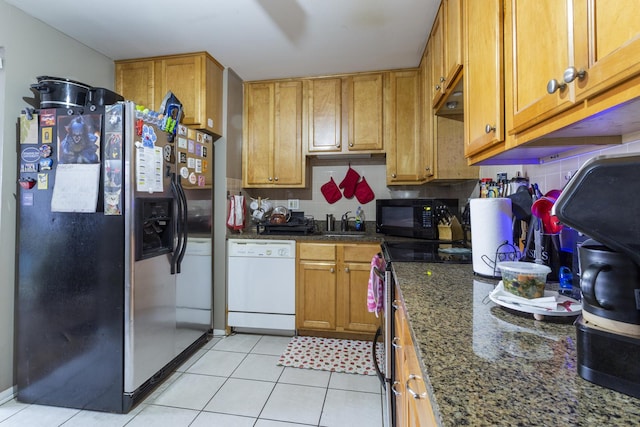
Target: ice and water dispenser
(154, 227)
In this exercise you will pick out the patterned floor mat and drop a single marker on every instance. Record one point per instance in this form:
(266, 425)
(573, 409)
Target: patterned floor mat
(330, 354)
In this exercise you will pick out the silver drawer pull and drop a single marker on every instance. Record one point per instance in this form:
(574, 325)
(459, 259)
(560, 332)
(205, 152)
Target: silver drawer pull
(395, 304)
(415, 395)
(395, 342)
(394, 390)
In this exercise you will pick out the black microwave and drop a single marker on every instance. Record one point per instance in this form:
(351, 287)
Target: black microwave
(417, 218)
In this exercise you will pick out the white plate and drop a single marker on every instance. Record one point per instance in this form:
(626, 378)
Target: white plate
(575, 306)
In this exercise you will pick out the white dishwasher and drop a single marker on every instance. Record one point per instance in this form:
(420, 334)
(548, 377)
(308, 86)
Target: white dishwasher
(261, 284)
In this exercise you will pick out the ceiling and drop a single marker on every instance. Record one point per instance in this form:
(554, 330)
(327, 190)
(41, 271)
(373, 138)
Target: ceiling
(258, 39)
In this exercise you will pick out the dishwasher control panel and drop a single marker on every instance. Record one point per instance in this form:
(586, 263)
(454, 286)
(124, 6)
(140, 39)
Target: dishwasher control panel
(262, 248)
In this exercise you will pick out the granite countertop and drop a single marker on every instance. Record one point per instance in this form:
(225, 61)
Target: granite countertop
(369, 235)
(489, 366)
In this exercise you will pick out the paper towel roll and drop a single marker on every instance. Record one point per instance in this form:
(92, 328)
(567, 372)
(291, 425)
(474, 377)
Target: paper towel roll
(491, 221)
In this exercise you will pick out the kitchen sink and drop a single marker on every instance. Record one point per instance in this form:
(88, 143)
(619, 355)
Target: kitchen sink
(345, 234)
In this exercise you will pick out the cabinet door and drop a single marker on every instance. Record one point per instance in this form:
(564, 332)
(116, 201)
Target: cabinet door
(365, 112)
(539, 34)
(354, 280)
(184, 77)
(452, 40)
(259, 113)
(435, 42)
(483, 78)
(607, 38)
(316, 307)
(288, 158)
(135, 81)
(427, 113)
(324, 100)
(404, 154)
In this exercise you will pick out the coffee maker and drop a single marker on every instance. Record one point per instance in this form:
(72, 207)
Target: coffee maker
(602, 201)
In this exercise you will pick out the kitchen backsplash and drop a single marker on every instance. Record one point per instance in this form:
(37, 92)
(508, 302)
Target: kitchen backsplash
(548, 176)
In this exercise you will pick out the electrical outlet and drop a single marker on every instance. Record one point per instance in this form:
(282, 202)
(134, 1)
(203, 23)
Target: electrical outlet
(293, 204)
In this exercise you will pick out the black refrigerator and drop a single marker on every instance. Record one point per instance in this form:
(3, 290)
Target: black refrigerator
(102, 231)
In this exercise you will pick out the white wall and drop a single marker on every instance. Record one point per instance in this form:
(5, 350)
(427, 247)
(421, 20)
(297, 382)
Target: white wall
(31, 49)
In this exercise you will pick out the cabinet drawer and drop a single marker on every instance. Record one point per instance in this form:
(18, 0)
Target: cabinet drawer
(360, 252)
(317, 251)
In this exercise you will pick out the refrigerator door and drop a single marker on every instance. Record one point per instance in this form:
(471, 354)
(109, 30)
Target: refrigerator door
(149, 286)
(69, 296)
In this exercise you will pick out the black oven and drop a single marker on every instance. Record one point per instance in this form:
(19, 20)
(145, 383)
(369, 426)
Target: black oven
(416, 218)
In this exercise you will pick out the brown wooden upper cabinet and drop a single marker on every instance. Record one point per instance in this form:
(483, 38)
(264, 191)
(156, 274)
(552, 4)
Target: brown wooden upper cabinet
(324, 105)
(483, 76)
(566, 52)
(446, 47)
(272, 152)
(194, 78)
(404, 148)
(364, 103)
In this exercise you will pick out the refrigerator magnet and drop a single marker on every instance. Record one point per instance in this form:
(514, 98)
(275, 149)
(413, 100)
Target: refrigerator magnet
(182, 130)
(184, 172)
(192, 178)
(28, 167)
(198, 166)
(43, 181)
(26, 199)
(204, 151)
(46, 164)
(183, 157)
(47, 135)
(201, 181)
(45, 151)
(182, 142)
(191, 146)
(47, 117)
(199, 150)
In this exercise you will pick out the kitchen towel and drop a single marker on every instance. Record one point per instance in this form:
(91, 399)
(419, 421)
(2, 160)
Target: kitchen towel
(375, 289)
(349, 182)
(490, 228)
(364, 193)
(330, 191)
(235, 221)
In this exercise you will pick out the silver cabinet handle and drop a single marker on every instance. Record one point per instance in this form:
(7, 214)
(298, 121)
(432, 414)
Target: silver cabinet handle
(415, 395)
(395, 304)
(394, 390)
(442, 79)
(428, 168)
(437, 87)
(346, 269)
(554, 85)
(270, 179)
(571, 73)
(395, 342)
(332, 270)
(393, 175)
(276, 178)
(351, 144)
(488, 128)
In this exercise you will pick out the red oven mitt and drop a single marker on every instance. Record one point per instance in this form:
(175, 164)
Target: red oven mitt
(349, 182)
(330, 191)
(364, 193)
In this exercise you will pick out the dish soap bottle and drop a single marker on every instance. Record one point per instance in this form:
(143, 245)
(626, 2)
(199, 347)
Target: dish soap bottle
(359, 219)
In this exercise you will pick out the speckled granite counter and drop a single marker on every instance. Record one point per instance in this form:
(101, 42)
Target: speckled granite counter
(491, 367)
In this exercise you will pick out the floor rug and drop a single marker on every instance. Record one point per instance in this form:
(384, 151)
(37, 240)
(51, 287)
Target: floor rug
(330, 354)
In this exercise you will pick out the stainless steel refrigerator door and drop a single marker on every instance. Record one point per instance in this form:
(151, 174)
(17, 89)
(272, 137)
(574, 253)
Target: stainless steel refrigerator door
(150, 288)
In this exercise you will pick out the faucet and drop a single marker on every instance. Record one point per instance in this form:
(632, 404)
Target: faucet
(344, 222)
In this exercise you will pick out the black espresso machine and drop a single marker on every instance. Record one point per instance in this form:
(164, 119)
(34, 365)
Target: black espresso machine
(602, 201)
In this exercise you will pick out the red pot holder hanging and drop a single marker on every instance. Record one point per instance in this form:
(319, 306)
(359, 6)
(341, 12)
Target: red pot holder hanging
(364, 193)
(330, 191)
(349, 182)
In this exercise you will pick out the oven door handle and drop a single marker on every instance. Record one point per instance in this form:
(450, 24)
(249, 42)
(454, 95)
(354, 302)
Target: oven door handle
(381, 376)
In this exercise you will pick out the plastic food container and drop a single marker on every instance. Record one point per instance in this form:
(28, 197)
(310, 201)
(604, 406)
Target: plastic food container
(524, 279)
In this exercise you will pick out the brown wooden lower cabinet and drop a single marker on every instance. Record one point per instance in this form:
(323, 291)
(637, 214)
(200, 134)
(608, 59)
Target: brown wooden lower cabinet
(331, 290)
(412, 404)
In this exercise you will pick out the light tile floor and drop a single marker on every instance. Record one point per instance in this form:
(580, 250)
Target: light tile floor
(231, 381)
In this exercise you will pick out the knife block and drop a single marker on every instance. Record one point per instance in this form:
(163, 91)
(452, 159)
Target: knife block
(452, 231)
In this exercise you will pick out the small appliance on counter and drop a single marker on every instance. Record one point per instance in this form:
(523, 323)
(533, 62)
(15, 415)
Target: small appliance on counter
(417, 218)
(608, 332)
